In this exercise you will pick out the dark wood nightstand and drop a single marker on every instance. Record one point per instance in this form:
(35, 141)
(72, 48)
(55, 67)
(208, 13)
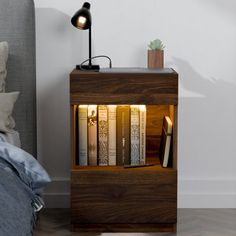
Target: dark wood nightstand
(112, 198)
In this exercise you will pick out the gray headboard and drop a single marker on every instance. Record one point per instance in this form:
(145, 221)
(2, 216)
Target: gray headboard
(17, 27)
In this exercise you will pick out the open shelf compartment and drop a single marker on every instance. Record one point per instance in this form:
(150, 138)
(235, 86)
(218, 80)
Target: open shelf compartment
(154, 122)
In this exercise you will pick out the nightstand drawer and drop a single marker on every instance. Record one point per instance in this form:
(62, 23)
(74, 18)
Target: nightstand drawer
(144, 196)
(106, 88)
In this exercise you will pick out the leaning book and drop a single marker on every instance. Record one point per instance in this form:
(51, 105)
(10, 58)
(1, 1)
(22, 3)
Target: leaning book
(166, 141)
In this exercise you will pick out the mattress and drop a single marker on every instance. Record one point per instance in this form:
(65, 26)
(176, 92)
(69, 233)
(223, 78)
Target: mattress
(12, 138)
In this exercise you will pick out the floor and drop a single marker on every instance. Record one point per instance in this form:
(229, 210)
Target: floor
(191, 222)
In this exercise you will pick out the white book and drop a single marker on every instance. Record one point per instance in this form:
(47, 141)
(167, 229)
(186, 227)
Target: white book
(83, 138)
(134, 135)
(112, 134)
(92, 135)
(102, 135)
(143, 114)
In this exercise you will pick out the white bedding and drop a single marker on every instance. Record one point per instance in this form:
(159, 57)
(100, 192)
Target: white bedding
(12, 138)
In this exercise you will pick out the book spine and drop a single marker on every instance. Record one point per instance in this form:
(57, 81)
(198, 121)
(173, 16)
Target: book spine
(83, 141)
(134, 135)
(143, 113)
(75, 136)
(123, 135)
(167, 131)
(112, 134)
(92, 135)
(102, 135)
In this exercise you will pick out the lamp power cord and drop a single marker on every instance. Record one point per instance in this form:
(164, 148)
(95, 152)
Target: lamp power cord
(91, 58)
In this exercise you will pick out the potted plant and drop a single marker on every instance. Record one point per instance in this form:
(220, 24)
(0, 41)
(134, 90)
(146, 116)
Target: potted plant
(156, 54)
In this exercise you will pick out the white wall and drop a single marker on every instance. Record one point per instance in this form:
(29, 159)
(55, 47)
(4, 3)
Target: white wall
(200, 43)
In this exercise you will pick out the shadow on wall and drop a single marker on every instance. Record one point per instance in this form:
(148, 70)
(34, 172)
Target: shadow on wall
(227, 7)
(207, 132)
(58, 50)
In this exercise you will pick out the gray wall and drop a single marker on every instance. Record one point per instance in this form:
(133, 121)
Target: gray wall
(200, 41)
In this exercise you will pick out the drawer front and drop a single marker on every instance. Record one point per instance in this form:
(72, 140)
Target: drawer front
(124, 89)
(153, 201)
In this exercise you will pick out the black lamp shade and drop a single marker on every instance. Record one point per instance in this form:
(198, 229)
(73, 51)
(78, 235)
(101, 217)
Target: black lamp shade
(82, 18)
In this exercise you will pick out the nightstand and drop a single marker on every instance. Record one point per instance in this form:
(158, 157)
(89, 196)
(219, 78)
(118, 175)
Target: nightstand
(112, 198)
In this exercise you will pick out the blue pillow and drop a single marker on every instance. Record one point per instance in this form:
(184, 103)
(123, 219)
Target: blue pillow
(25, 164)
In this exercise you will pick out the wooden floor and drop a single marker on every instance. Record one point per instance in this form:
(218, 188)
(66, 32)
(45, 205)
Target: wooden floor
(191, 222)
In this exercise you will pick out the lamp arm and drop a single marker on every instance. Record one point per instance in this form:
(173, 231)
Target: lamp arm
(90, 46)
(91, 58)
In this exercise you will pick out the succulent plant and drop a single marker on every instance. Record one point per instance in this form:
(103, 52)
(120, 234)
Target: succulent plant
(156, 45)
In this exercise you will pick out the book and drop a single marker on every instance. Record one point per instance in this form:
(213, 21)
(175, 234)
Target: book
(82, 137)
(134, 135)
(165, 141)
(102, 135)
(75, 134)
(143, 116)
(112, 134)
(123, 135)
(92, 135)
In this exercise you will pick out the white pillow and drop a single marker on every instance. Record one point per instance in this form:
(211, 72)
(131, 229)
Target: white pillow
(3, 62)
(7, 101)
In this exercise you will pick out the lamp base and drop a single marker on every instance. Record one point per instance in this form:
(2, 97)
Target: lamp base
(88, 67)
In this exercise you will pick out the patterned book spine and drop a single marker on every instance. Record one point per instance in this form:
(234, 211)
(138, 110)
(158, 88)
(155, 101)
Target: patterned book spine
(123, 135)
(134, 135)
(112, 134)
(102, 135)
(83, 140)
(142, 112)
(92, 135)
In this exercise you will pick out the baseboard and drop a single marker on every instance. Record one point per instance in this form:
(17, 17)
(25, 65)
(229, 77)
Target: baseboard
(57, 193)
(207, 193)
(192, 193)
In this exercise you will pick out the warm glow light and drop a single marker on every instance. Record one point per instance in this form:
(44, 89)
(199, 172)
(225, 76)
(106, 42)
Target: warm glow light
(142, 108)
(92, 107)
(81, 21)
(169, 121)
(134, 106)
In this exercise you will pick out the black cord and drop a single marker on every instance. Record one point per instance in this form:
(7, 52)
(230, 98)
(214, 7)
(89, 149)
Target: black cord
(91, 58)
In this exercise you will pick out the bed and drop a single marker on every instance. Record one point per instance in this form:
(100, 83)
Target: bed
(21, 176)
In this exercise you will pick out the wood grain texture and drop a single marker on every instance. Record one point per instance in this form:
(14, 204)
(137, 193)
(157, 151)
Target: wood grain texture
(118, 195)
(174, 118)
(119, 175)
(155, 115)
(155, 59)
(112, 198)
(123, 88)
(124, 228)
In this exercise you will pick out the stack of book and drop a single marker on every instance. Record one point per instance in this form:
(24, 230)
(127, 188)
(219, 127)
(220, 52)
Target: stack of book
(111, 135)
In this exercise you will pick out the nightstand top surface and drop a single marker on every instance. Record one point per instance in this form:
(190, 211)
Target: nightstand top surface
(127, 70)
